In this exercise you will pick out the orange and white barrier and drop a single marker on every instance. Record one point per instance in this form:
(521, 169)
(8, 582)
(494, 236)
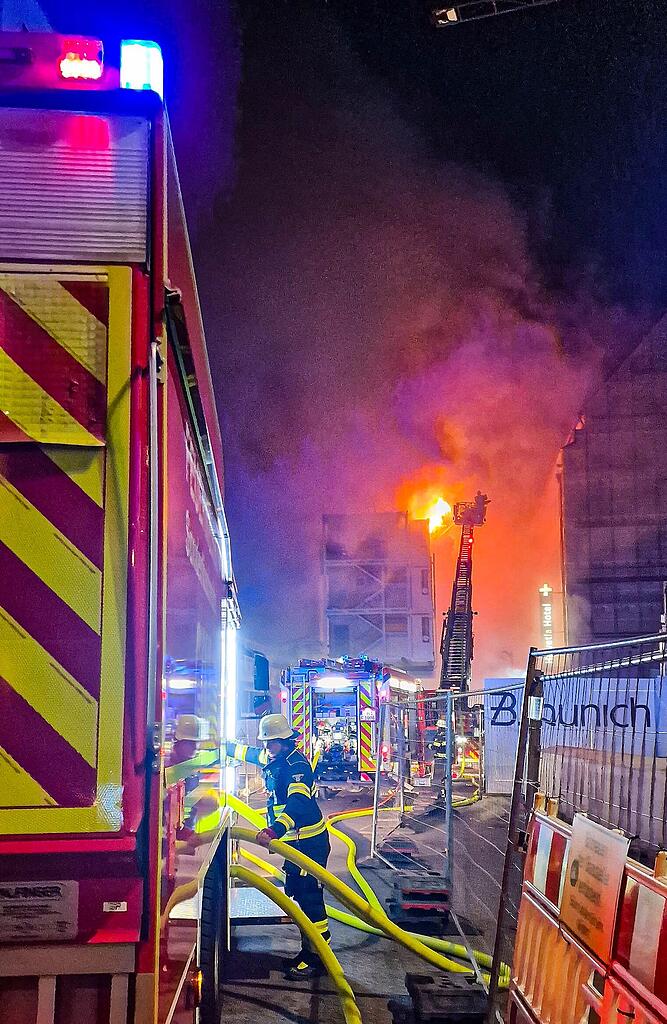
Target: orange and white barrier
(547, 859)
(560, 978)
(639, 964)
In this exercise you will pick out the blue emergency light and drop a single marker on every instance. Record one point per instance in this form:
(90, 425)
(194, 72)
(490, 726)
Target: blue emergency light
(141, 66)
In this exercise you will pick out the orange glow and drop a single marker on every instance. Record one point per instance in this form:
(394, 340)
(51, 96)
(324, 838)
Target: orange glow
(436, 513)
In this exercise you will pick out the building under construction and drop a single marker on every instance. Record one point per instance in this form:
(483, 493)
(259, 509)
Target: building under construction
(614, 502)
(378, 590)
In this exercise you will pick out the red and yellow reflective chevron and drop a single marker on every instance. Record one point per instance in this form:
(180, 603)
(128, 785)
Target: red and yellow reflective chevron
(296, 712)
(307, 731)
(365, 700)
(64, 432)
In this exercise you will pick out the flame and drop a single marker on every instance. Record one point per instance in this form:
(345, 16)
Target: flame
(436, 513)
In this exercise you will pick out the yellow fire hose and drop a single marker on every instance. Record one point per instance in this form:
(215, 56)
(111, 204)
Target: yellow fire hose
(355, 903)
(322, 948)
(433, 943)
(441, 945)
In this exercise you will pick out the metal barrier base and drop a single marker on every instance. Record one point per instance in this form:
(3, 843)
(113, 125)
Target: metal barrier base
(446, 999)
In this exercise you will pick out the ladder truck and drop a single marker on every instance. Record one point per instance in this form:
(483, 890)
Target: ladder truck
(456, 646)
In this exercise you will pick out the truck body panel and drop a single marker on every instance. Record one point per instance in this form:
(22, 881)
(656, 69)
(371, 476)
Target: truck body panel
(118, 608)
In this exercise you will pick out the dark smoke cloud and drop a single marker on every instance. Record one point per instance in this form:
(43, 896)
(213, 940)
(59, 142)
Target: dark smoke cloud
(380, 329)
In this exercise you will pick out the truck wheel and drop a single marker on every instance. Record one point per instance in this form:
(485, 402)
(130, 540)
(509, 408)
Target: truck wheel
(213, 940)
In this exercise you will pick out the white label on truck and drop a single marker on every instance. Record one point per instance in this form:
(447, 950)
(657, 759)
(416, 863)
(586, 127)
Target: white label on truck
(115, 907)
(41, 911)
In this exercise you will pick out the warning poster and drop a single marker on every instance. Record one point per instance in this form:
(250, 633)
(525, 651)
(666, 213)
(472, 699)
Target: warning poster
(592, 887)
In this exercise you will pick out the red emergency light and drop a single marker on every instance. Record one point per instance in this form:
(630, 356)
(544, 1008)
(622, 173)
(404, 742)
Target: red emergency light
(44, 60)
(82, 59)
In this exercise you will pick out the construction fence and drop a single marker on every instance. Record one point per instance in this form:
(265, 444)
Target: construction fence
(592, 739)
(459, 772)
(452, 823)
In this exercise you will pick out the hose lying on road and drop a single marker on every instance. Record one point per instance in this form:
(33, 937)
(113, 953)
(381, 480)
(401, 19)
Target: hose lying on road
(355, 903)
(441, 945)
(323, 950)
(358, 921)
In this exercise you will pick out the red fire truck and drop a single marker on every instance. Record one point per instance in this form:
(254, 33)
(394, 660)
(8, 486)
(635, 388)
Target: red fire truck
(334, 706)
(118, 610)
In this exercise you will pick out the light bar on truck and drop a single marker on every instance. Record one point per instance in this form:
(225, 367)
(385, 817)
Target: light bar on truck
(82, 58)
(141, 66)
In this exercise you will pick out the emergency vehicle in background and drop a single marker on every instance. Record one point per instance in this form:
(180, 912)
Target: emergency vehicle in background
(118, 608)
(334, 706)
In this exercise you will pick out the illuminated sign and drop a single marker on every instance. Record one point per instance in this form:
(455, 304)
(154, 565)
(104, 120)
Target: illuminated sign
(546, 616)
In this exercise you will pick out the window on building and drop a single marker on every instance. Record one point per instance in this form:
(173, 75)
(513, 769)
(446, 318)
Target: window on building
(426, 583)
(426, 629)
(396, 625)
(396, 589)
(339, 639)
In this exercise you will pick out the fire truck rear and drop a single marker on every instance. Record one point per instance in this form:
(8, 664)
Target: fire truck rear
(118, 612)
(334, 706)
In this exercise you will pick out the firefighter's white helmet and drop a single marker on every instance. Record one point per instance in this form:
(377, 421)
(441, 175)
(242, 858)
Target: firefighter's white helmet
(275, 727)
(441, 723)
(188, 727)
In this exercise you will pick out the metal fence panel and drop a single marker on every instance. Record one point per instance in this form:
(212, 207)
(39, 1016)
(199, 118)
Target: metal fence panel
(433, 810)
(592, 738)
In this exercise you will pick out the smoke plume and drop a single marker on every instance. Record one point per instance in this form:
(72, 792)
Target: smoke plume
(381, 336)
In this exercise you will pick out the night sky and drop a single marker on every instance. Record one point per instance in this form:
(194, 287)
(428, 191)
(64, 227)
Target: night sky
(417, 251)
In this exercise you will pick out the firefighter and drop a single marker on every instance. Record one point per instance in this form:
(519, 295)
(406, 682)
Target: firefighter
(294, 816)
(439, 744)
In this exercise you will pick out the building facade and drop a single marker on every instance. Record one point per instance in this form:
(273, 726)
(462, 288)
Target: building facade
(378, 589)
(613, 478)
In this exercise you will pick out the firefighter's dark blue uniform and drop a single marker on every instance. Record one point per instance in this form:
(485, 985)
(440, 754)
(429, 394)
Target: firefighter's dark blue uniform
(295, 817)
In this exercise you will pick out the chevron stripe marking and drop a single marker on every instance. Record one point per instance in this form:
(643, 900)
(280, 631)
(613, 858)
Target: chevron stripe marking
(84, 467)
(48, 688)
(37, 479)
(50, 555)
(53, 423)
(62, 316)
(43, 753)
(94, 295)
(50, 622)
(52, 367)
(19, 789)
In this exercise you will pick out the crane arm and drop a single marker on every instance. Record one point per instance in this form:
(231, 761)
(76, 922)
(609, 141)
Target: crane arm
(475, 10)
(457, 638)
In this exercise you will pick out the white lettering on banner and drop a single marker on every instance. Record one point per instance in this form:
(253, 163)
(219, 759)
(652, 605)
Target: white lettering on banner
(197, 562)
(593, 878)
(38, 911)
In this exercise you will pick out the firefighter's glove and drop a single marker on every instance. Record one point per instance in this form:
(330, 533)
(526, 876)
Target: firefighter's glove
(265, 837)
